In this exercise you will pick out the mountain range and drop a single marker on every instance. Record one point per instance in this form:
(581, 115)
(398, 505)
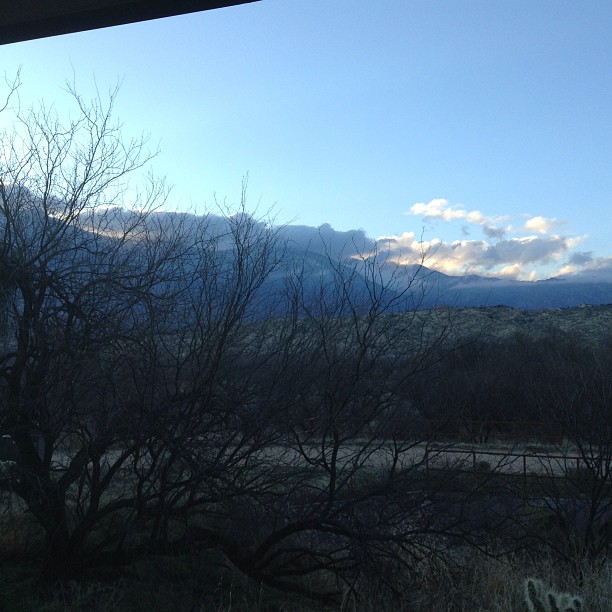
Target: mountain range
(557, 292)
(323, 254)
(434, 289)
(318, 247)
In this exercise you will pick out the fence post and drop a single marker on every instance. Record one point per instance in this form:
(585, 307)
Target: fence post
(524, 476)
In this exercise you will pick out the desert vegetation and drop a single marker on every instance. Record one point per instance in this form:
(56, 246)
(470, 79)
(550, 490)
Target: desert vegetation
(185, 403)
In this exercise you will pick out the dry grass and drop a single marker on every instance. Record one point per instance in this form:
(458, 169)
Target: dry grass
(464, 580)
(476, 582)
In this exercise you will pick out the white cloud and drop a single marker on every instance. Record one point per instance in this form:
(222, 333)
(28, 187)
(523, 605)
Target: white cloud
(542, 225)
(518, 258)
(504, 251)
(596, 269)
(440, 209)
(511, 271)
(523, 257)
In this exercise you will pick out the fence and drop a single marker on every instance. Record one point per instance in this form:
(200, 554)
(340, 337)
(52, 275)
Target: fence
(482, 431)
(477, 431)
(529, 464)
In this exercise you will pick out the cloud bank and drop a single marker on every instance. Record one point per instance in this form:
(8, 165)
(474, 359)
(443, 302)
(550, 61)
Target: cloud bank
(527, 247)
(523, 248)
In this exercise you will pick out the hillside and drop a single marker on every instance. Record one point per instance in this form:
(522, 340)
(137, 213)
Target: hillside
(589, 322)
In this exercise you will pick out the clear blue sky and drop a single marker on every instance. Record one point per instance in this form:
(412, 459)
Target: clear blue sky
(486, 124)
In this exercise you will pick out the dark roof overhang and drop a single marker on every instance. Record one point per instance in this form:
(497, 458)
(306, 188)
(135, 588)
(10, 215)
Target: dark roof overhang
(27, 19)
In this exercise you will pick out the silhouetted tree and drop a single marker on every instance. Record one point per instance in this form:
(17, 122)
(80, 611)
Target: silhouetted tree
(174, 383)
(578, 492)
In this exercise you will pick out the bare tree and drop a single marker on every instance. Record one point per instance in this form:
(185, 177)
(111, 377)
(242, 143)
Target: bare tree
(322, 482)
(121, 326)
(76, 274)
(578, 492)
(174, 383)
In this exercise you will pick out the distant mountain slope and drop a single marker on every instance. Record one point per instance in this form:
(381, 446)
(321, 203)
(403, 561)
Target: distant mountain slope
(551, 293)
(590, 323)
(432, 288)
(322, 256)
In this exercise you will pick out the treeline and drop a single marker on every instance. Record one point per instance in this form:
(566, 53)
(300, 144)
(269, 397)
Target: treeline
(535, 388)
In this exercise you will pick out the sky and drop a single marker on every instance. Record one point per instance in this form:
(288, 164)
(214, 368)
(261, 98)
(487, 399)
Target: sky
(480, 131)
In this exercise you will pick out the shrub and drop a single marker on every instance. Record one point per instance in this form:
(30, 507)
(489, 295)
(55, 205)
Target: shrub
(540, 599)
